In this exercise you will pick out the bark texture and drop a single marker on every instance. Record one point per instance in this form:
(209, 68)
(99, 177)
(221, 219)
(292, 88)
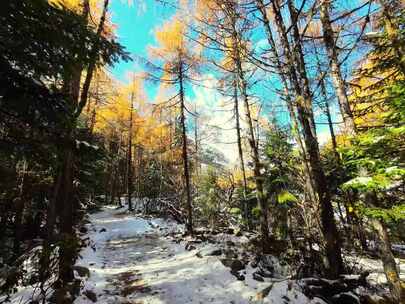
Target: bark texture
(336, 74)
(185, 152)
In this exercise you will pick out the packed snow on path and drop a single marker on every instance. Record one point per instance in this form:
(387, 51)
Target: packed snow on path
(131, 262)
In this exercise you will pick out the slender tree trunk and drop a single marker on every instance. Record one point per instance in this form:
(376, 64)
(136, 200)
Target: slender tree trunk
(240, 152)
(68, 249)
(298, 54)
(91, 120)
(328, 116)
(257, 166)
(261, 197)
(327, 107)
(129, 157)
(184, 152)
(397, 287)
(331, 130)
(259, 180)
(336, 74)
(19, 210)
(93, 60)
(196, 157)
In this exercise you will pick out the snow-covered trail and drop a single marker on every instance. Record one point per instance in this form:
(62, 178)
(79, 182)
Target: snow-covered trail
(131, 262)
(119, 244)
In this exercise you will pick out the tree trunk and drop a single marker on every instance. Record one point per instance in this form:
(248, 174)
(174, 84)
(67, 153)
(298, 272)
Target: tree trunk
(328, 115)
(397, 287)
(19, 211)
(261, 198)
(65, 206)
(129, 157)
(185, 153)
(257, 166)
(92, 65)
(196, 157)
(298, 54)
(246, 209)
(336, 74)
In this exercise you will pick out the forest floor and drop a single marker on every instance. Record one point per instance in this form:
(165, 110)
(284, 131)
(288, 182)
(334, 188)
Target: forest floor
(131, 260)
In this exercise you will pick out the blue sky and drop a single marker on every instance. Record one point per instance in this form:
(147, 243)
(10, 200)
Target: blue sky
(136, 23)
(135, 30)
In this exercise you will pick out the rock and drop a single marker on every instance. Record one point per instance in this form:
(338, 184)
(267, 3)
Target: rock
(190, 246)
(229, 243)
(234, 264)
(229, 230)
(75, 287)
(340, 291)
(103, 230)
(83, 229)
(255, 262)
(153, 225)
(374, 299)
(90, 295)
(269, 267)
(82, 271)
(209, 251)
(230, 254)
(239, 276)
(257, 277)
(266, 267)
(237, 232)
(60, 297)
(345, 298)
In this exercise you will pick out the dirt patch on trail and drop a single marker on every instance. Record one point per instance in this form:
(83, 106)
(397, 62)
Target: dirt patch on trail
(130, 282)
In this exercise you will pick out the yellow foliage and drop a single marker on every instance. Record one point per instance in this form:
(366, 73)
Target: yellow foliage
(367, 95)
(75, 5)
(72, 4)
(149, 131)
(238, 177)
(170, 38)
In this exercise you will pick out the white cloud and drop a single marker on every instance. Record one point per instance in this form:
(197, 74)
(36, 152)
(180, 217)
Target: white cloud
(323, 137)
(214, 110)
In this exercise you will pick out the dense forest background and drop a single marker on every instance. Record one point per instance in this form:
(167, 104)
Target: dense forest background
(73, 138)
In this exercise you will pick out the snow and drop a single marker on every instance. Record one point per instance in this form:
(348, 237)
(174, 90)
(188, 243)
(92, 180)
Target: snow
(134, 263)
(375, 267)
(131, 259)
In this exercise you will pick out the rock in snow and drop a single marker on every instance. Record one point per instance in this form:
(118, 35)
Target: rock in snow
(209, 251)
(90, 295)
